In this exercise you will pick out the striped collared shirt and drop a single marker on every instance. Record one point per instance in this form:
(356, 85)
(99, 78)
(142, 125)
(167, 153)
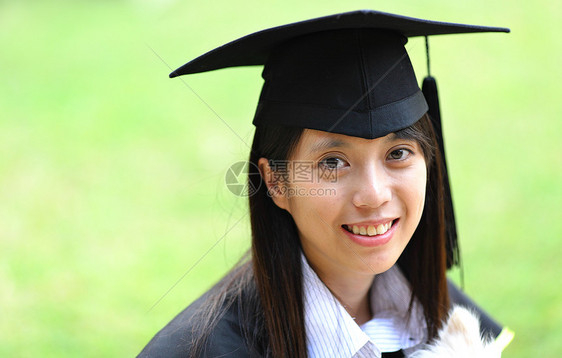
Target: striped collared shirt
(332, 332)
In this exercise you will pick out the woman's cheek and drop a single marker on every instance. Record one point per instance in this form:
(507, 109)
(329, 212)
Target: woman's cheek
(417, 184)
(313, 204)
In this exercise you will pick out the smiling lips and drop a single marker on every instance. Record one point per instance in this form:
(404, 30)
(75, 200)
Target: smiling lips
(369, 230)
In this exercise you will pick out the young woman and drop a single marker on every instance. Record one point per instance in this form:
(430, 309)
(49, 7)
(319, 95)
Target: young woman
(351, 229)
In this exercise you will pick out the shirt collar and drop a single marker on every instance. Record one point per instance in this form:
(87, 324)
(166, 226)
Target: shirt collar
(331, 331)
(390, 302)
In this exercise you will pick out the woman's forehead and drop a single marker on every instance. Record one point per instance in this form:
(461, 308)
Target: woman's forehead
(313, 141)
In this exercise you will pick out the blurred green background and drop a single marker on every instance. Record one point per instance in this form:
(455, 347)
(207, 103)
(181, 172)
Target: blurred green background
(112, 175)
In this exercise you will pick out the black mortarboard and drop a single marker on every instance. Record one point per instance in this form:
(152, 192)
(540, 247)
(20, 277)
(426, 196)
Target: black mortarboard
(347, 73)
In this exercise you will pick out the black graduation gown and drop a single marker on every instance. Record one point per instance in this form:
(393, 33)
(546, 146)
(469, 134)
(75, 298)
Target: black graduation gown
(227, 340)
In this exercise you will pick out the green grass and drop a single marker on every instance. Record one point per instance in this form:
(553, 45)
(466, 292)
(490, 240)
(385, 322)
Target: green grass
(111, 175)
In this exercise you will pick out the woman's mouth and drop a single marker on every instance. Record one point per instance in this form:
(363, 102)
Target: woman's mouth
(369, 230)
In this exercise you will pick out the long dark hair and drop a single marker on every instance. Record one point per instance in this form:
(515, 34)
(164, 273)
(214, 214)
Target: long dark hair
(424, 260)
(270, 283)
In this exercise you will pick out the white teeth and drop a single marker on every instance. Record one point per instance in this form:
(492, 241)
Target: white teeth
(370, 230)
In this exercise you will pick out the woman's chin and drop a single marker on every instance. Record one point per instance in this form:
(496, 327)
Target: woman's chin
(374, 265)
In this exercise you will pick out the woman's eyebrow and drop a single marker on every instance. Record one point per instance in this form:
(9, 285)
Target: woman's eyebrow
(399, 136)
(326, 144)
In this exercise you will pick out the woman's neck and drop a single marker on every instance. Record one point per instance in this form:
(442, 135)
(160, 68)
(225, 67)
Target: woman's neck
(352, 290)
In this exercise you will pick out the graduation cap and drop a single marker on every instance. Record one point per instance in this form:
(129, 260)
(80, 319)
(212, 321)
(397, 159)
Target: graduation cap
(347, 73)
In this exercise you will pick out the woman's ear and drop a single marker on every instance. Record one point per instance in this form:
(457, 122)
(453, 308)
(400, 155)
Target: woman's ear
(275, 187)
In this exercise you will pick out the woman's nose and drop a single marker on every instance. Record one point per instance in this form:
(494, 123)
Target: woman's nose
(373, 189)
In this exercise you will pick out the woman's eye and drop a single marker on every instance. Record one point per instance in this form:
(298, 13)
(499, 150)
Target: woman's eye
(331, 163)
(399, 154)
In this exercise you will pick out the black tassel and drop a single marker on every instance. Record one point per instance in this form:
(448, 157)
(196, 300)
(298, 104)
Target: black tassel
(429, 89)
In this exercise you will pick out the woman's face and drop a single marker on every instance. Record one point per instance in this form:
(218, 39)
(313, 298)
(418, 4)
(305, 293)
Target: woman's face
(356, 202)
